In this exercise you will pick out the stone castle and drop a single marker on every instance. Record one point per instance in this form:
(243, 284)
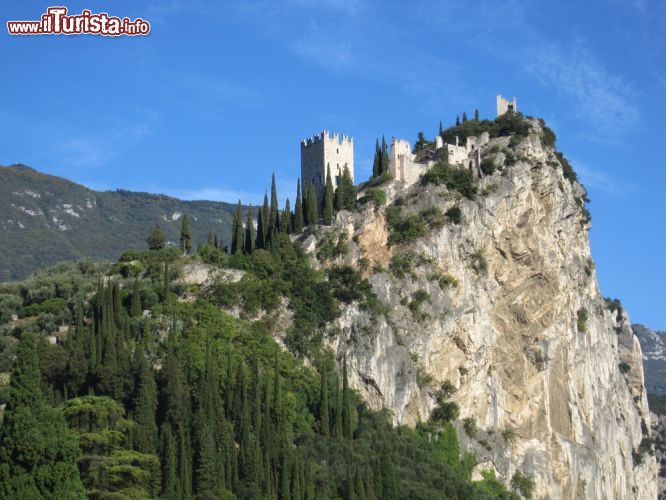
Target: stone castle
(335, 152)
(323, 152)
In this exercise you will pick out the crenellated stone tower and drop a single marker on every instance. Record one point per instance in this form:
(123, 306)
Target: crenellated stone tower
(322, 152)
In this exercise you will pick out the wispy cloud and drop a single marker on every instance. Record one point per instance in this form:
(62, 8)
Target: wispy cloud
(92, 151)
(604, 99)
(213, 194)
(600, 180)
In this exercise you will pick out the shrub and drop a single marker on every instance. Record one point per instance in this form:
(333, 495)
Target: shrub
(582, 320)
(479, 262)
(444, 280)
(548, 137)
(433, 217)
(489, 189)
(401, 265)
(454, 214)
(509, 157)
(377, 195)
(469, 424)
(455, 179)
(488, 165)
(522, 484)
(403, 230)
(567, 169)
(329, 248)
(509, 435)
(418, 298)
(624, 367)
(50, 306)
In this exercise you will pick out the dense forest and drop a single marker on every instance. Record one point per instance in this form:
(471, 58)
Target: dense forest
(148, 395)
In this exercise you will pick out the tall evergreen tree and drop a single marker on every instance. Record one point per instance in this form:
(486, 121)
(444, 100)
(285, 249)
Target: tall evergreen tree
(328, 199)
(286, 221)
(312, 210)
(338, 409)
(346, 403)
(169, 463)
(476, 115)
(185, 236)
(248, 247)
(37, 451)
(156, 239)
(441, 129)
(265, 216)
(457, 121)
(464, 118)
(260, 241)
(274, 222)
(145, 406)
(384, 157)
(324, 424)
(298, 209)
(376, 162)
(237, 232)
(348, 190)
(135, 299)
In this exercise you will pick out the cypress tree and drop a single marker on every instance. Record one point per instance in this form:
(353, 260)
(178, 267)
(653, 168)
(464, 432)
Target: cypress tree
(215, 243)
(476, 115)
(441, 129)
(323, 405)
(286, 219)
(376, 162)
(312, 213)
(37, 451)
(210, 241)
(338, 409)
(464, 118)
(261, 230)
(346, 403)
(185, 236)
(145, 407)
(340, 197)
(328, 199)
(348, 190)
(298, 209)
(248, 247)
(169, 463)
(274, 222)
(457, 121)
(237, 232)
(385, 157)
(135, 298)
(265, 216)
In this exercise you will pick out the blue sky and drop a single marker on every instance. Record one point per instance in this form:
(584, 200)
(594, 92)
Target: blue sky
(220, 93)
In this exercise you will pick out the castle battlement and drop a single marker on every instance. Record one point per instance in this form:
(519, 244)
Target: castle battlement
(325, 135)
(323, 152)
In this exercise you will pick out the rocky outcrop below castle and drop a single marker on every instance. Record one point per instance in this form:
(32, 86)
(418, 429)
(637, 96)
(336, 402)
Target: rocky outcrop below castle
(505, 306)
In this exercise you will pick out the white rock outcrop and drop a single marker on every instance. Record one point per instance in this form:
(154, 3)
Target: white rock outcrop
(525, 337)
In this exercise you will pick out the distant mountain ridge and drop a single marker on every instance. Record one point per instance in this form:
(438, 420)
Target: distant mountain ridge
(46, 219)
(653, 345)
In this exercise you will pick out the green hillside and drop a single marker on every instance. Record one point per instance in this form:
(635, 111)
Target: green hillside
(46, 219)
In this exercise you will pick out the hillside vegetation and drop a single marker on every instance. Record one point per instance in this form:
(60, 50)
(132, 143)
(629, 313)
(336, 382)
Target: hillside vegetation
(46, 219)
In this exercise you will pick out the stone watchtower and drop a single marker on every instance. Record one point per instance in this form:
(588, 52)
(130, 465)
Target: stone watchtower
(504, 105)
(322, 152)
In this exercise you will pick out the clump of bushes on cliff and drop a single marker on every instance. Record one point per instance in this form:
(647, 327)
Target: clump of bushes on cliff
(455, 179)
(403, 229)
(581, 320)
(503, 126)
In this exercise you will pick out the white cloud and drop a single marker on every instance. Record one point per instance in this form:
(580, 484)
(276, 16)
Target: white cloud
(603, 99)
(599, 180)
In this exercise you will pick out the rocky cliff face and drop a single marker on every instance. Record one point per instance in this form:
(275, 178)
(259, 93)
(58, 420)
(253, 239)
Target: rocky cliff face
(506, 307)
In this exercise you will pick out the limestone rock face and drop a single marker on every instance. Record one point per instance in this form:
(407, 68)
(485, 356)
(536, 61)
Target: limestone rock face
(513, 317)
